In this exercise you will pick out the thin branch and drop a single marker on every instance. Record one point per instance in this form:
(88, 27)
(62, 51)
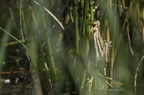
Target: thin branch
(22, 45)
(49, 13)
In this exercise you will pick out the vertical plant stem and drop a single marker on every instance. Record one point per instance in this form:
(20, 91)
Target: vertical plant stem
(143, 24)
(114, 38)
(21, 28)
(3, 48)
(76, 25)
(83, 80)
(37, 84)
(52, 62)
(91, 10)
(85, 11)
(84, 16)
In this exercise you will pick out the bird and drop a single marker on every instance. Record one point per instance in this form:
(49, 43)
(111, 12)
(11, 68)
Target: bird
(101, 46)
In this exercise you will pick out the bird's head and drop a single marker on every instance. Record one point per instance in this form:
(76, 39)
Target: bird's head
(95, 25)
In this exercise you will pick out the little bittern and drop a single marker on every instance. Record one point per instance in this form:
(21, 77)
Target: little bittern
(101, 46)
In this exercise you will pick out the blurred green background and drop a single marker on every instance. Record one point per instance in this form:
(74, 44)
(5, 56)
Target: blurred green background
(51, 42)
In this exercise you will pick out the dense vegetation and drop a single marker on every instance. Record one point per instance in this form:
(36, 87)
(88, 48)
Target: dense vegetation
(50, 42)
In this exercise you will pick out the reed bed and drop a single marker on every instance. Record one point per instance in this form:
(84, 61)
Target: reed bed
(52, 43)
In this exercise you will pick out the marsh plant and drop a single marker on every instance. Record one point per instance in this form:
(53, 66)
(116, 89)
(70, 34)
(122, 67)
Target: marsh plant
(72, 47)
